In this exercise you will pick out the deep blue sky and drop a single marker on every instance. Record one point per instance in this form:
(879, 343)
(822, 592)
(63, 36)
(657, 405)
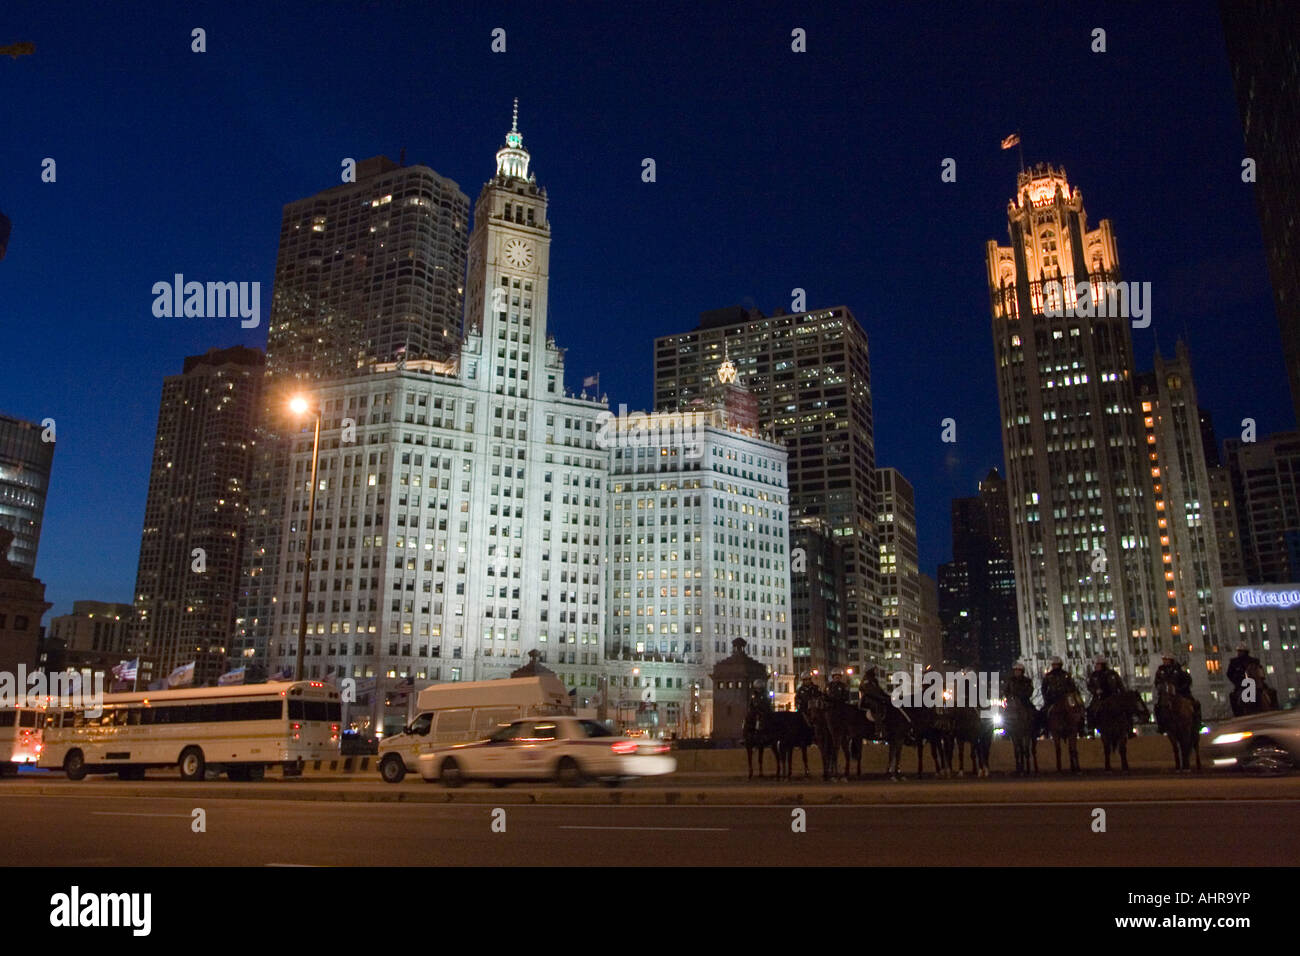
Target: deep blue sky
(775, 170)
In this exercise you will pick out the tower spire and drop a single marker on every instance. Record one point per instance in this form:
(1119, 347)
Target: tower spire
(512, 158)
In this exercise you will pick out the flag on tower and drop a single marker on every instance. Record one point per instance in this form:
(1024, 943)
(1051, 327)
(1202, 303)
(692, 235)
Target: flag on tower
(1012, 140)
(591, 381)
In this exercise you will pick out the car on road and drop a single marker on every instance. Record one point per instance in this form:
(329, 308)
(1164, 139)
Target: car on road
(1265, 743)
(568, 750)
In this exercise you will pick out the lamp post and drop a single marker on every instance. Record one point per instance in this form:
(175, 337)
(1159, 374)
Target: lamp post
(300, 406)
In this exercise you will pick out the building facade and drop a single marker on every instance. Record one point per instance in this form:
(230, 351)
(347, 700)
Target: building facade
(22, 605)
(1186, 532)
(1265, 477)
(818, 641)
(977, 589)
(699, 557)
(810, 374)
(1266, 618)
(367, 272)
(197, 510)
(1077, 483)
(900, 583)
(25, 461)
(95, 626)
(1263, 40)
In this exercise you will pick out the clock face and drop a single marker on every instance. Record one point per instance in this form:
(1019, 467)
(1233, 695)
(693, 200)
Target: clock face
(518, 253)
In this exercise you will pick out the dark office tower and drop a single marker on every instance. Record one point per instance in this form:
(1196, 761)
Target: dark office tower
(1076, 478)
(25, 460)
(1264, 50)
(1187, 541)
(956, 622)
(1227, 528)
(811, 376)
(977, 589)
(1266, 491)
(816, 597)
(198, 499)
(367, 272)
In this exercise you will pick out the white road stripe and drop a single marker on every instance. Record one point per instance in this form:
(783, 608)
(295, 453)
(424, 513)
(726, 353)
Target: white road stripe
(117, 813)
(647, 828)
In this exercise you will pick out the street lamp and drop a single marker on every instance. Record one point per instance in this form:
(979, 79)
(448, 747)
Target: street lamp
(300, 406)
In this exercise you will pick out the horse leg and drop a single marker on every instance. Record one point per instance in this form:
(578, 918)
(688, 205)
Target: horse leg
(1123, 752)
(1057, 741)
(749, 759)
(1074, 754)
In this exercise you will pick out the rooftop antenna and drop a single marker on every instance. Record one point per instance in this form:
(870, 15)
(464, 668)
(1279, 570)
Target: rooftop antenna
(402, 159)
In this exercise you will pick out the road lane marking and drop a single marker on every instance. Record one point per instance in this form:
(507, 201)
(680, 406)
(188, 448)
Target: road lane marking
(122, 813)
(713, 829)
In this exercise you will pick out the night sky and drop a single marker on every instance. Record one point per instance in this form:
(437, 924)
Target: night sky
(776, 170)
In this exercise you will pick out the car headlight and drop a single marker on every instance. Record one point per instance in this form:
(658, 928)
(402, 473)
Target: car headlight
(1232, 738)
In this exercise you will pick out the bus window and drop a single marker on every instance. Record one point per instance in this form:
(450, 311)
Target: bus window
(52, 719)
(334, 712)
(8, 718)
(133, 716)
(27, 718)
(105, 719)
(318, 710)
(119, 716)
(297, 709)
(79, 719)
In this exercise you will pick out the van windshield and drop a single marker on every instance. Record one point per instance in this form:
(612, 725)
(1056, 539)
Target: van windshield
(420, 726)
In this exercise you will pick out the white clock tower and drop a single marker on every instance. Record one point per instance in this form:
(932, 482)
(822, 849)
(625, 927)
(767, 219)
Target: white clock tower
(506, 286)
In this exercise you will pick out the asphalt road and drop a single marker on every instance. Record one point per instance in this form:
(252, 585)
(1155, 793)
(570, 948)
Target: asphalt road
(1156, 821)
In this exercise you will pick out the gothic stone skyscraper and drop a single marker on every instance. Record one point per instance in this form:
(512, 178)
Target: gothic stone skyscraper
(1076, 476)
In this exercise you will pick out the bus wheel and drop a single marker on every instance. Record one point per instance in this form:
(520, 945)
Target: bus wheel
(192, 764)
(449, 773)
(392, 769)
(74, 765)
(257, 772)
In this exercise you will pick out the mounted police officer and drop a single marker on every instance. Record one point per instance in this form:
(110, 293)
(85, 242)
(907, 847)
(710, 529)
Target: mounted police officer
(1020, 687)
(1057, 684)
(1172, 672)
(1238, 670)
(838, 691)
(806, 691)
(759, 702)
(872, 696)
(1104, 682)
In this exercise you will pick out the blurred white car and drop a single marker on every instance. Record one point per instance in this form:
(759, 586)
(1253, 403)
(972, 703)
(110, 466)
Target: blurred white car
(568, 750)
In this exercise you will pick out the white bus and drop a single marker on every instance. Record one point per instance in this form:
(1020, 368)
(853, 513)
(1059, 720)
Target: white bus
(241, 730)
(20, 737)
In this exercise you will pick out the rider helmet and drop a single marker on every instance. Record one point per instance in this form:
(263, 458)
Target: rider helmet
(1056, 661)
(1167, 655)
(805, 676)
(1018, 666)
(1099, 659)
(1242, 646)
(760, 684)
(837, 675)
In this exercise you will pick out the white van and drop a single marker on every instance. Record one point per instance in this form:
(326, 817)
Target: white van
(460, 712)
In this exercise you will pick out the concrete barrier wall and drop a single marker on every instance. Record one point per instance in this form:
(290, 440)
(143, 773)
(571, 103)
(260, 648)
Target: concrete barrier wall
(1147, 752)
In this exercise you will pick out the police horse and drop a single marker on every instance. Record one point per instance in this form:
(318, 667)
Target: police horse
(1177, 717)
(1114, 720)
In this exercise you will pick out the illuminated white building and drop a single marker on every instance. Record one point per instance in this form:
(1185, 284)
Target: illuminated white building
(699, 555)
